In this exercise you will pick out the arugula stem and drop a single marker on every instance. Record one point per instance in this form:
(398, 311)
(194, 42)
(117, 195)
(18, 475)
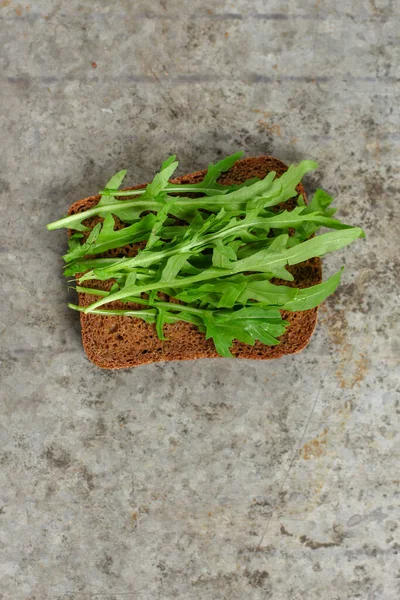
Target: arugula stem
(153, 205)
(235, 199)
(210, 273)
(128, 313)
(142, 314)
(173, 189)
(92, 291)
(158, 303)
(92, 212)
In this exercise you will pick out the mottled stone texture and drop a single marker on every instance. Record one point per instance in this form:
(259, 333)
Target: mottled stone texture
(215, 479)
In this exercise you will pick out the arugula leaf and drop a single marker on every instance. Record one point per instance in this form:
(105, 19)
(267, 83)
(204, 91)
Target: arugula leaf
(313, 296)
(114, 183)
(223, 256)
(84, 264)
(273, 192)
(225, 292)
(158, 223)
(116, 180)
(247, 325)
(240, 289)
(221, 293)
(161, 315)
(320, 202)
(173, 266)
(194, 239)
(160, 181)
(75, 245)
(76, 250)
(321, 245)
(259, 321)
(260, 289)
(107, 238)
(129, 214)
(268, 260)
(147, 315)
(209, 185)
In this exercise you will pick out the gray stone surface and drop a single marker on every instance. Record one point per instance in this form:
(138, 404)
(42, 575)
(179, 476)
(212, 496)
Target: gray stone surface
(208, 479)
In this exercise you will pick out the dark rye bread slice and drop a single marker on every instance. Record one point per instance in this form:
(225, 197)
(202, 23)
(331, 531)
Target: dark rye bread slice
(118, 342)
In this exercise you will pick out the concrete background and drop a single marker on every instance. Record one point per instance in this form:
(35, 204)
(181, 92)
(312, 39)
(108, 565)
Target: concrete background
(208, 479)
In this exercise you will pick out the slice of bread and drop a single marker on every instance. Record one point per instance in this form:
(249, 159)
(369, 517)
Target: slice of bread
(118, 342)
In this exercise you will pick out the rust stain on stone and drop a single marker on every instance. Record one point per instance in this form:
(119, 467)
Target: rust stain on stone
(265, 113)
(357, 374)
(315, 447)
(350, 371)
(336, 324)
(272, 128)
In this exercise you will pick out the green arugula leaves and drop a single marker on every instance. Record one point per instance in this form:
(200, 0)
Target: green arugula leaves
(215, 254)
